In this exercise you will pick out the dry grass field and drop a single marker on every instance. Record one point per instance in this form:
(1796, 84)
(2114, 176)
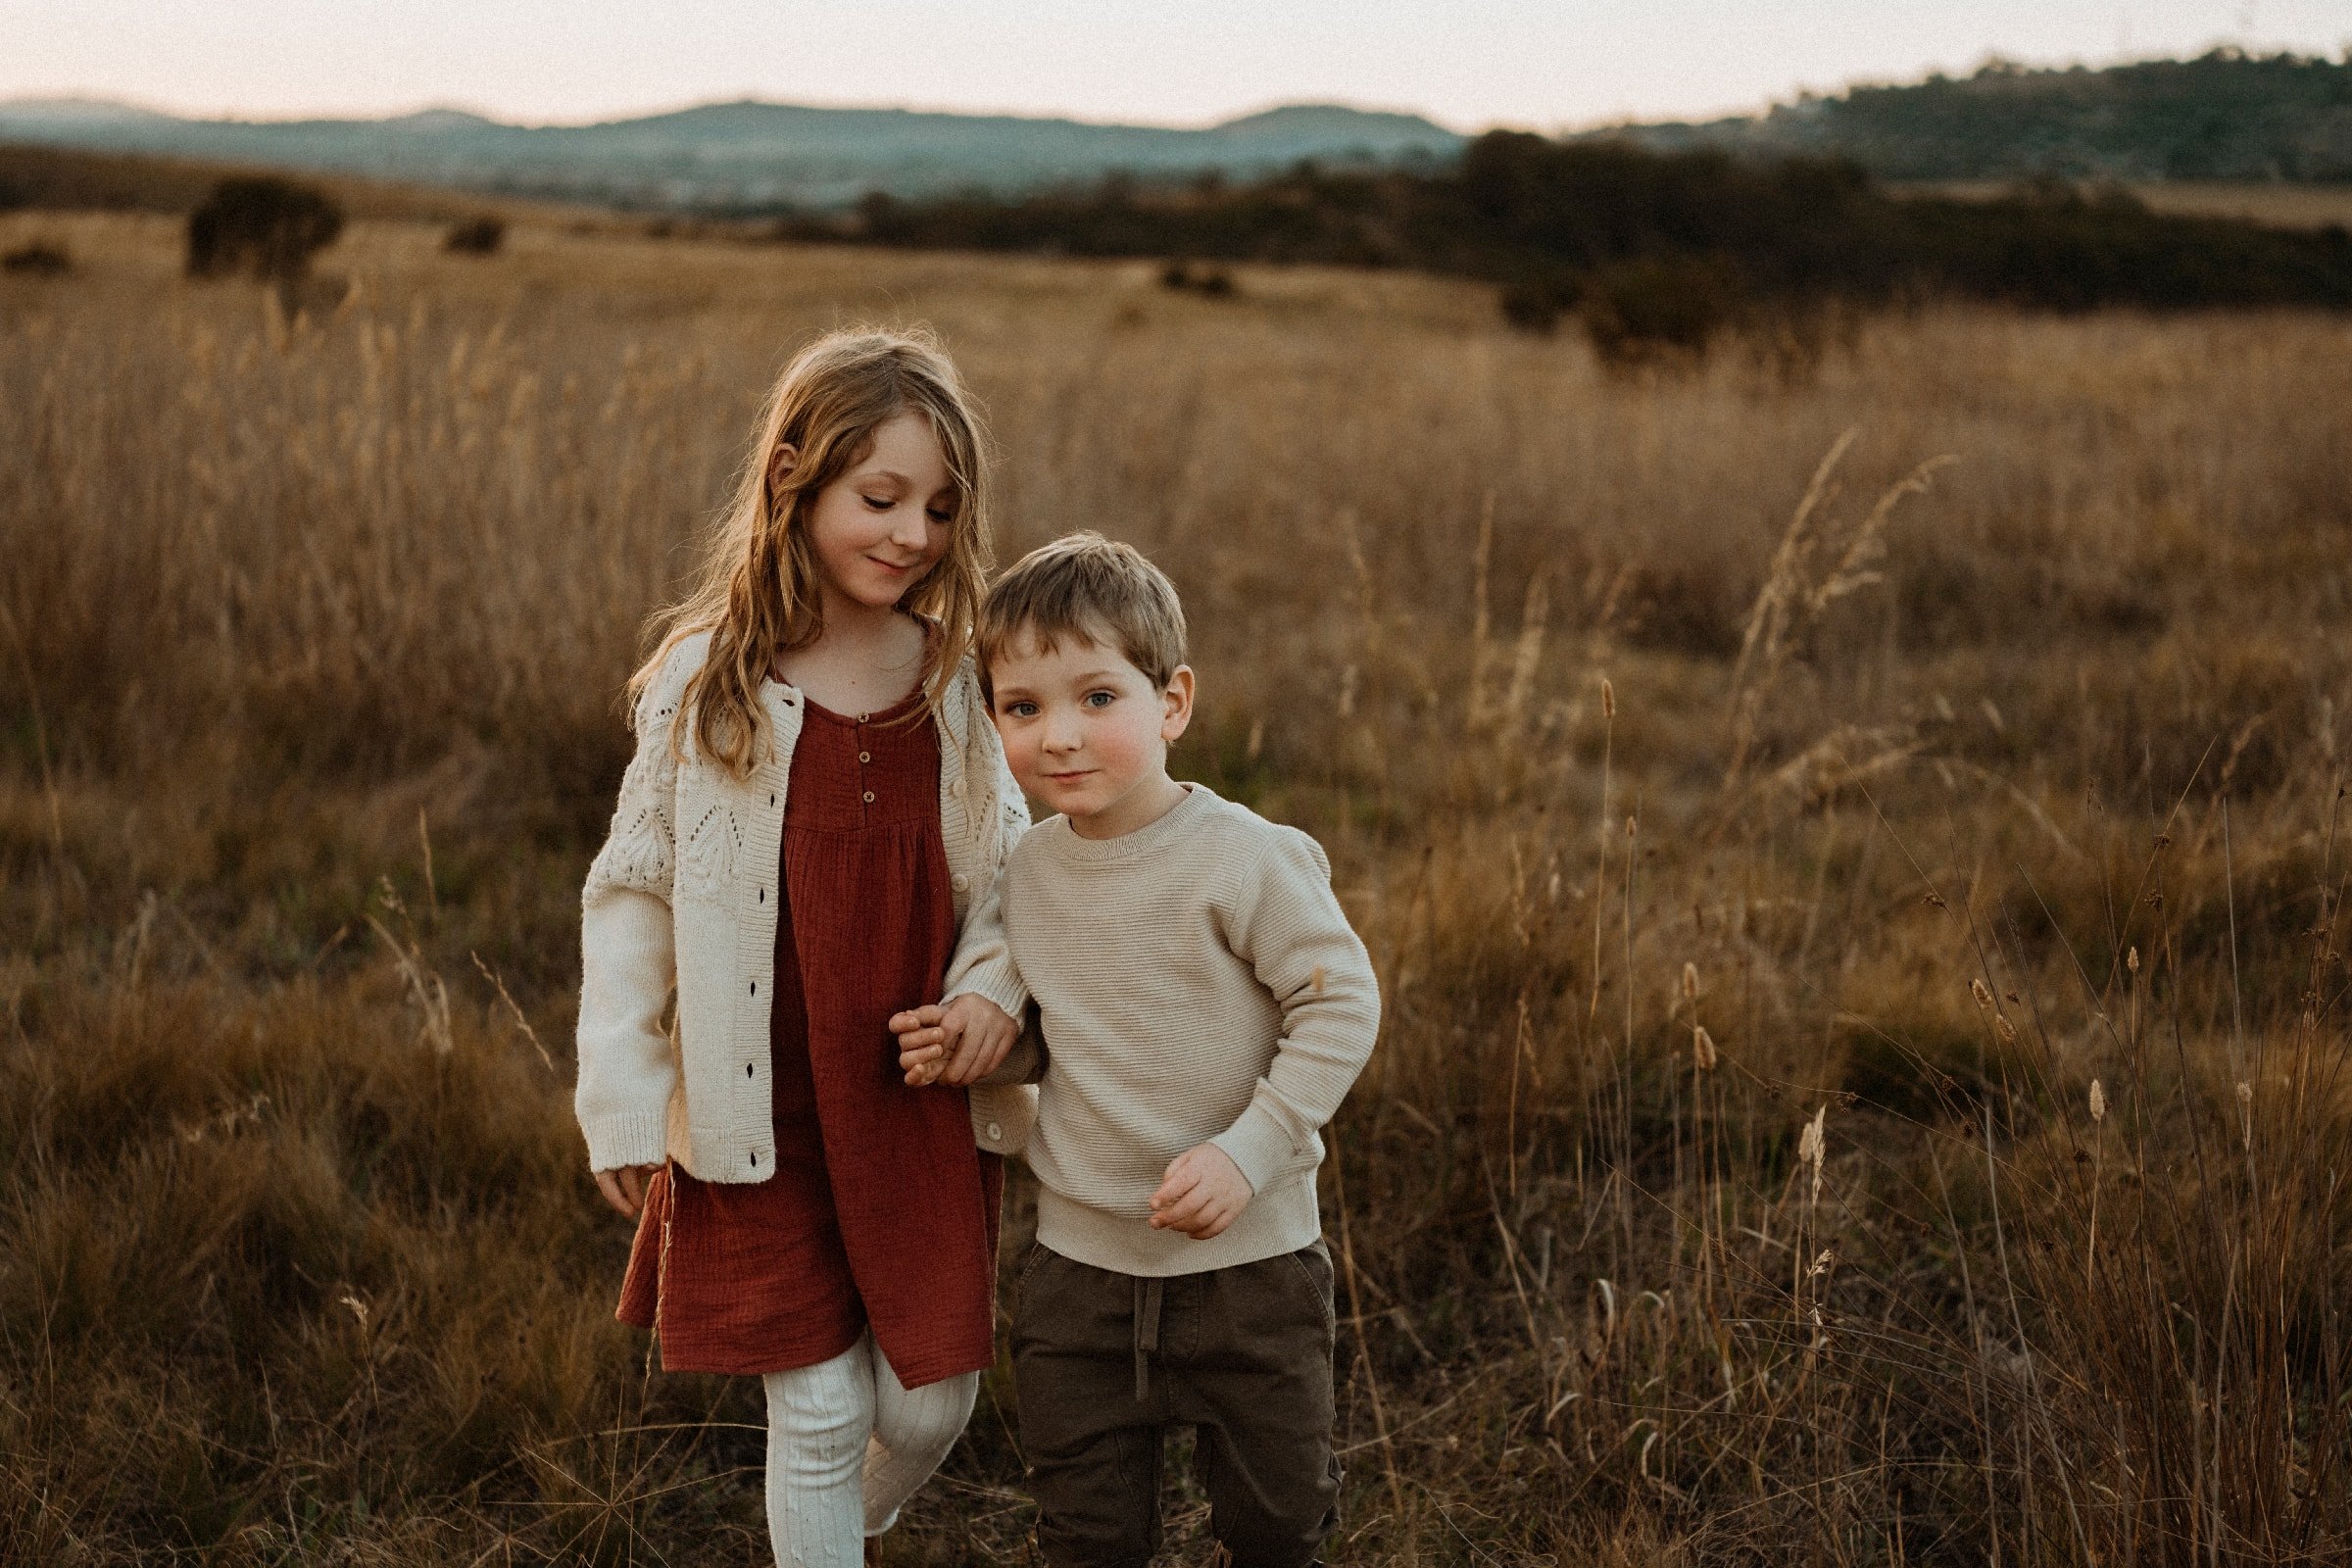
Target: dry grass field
(1854, 864)
(2280, 205)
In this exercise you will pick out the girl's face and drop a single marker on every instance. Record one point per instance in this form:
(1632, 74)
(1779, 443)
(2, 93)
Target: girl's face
(878, 528)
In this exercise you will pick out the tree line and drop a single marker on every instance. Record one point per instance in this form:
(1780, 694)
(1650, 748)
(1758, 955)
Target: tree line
(1663, 248)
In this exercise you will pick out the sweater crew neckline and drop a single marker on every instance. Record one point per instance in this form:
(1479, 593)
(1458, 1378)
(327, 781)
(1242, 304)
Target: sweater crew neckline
(1177, 822)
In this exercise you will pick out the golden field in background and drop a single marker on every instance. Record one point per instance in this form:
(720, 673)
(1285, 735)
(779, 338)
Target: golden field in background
(2282, 205)
(1863, 1068)
(2279, 204)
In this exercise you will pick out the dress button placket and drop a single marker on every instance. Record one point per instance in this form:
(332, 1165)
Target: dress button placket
(865, 755)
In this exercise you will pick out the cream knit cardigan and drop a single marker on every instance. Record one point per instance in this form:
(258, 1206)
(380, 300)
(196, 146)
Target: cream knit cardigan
(683, 895)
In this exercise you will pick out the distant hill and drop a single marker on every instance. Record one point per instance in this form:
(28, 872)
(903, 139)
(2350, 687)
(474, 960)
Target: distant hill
(749, 156)
(2227, 116)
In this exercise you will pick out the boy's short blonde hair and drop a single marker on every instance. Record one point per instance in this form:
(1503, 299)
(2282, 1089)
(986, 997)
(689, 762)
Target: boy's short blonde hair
(1094, 589)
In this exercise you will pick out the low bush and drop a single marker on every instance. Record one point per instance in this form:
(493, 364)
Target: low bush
(262, 227)
(475, 236)
(1211, 282)
(39, 259)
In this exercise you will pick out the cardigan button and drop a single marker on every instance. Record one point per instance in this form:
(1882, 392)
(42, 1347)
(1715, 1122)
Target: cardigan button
(995, 1130)
(869, 797)
(961, 881)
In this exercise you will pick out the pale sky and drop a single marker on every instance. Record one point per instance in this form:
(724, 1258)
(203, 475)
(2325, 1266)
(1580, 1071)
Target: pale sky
(1467, 62)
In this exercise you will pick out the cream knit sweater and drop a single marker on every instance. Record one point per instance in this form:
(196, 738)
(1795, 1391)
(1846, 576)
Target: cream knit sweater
(683, 895)
(1196, 982)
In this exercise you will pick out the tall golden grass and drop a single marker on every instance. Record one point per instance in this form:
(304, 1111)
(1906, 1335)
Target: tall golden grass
(1853, 866)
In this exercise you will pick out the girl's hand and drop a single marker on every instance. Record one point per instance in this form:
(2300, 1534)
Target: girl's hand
(624, 1189)
(924, 1043)
(1201, 1192)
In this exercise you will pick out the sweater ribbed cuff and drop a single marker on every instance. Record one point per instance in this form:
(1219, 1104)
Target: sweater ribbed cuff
(628, 1138)
(1259, 1145)
(999, 983)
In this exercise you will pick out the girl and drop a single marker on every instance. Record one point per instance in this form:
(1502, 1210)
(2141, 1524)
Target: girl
(817, 797)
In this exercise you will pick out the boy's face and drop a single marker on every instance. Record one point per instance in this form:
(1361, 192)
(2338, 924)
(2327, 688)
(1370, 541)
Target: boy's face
(1088, 734)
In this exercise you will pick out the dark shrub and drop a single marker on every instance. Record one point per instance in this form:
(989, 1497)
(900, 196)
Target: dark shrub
(475, 236)
(1657, 309)
(37, 259)
(265, 227)
(1213, 282)
(1534, 301)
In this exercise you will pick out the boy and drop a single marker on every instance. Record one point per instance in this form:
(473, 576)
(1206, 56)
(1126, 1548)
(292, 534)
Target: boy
(1204, 1007)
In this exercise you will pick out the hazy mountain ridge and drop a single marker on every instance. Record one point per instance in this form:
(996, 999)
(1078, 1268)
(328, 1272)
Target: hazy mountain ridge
(747, 154)
(2224, 116)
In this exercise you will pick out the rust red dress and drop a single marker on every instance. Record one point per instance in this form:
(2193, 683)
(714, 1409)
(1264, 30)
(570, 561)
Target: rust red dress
(882, 1212)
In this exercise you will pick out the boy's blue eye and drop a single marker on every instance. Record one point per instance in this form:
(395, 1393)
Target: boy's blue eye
(1100, 699)
(1019, 709)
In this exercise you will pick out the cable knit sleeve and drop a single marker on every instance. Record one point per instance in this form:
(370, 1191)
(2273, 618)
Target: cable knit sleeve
(1004, 1104)
(627, 952)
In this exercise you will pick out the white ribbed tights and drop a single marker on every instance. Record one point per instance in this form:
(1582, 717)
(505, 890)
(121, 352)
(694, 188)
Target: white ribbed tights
(847, 1443)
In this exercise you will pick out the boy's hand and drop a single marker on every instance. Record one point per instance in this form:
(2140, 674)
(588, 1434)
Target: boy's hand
(961, 1043)
(1201, 1192)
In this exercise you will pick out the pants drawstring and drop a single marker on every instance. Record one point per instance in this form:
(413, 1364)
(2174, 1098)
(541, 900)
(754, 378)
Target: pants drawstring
(1146, 1331)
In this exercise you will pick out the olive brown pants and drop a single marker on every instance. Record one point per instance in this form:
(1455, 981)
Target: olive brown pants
(1105, 1362)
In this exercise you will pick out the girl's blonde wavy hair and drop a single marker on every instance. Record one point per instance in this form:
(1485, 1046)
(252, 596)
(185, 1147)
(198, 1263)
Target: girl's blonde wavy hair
(756, 590)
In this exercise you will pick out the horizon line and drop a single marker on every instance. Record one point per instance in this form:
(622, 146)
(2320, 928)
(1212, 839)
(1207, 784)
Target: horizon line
(1788, 97)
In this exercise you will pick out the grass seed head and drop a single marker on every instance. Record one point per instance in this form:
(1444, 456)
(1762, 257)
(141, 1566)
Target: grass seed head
(1702, 1049)
(2099, 1101)
(1810, 1146)
(1690, 982)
